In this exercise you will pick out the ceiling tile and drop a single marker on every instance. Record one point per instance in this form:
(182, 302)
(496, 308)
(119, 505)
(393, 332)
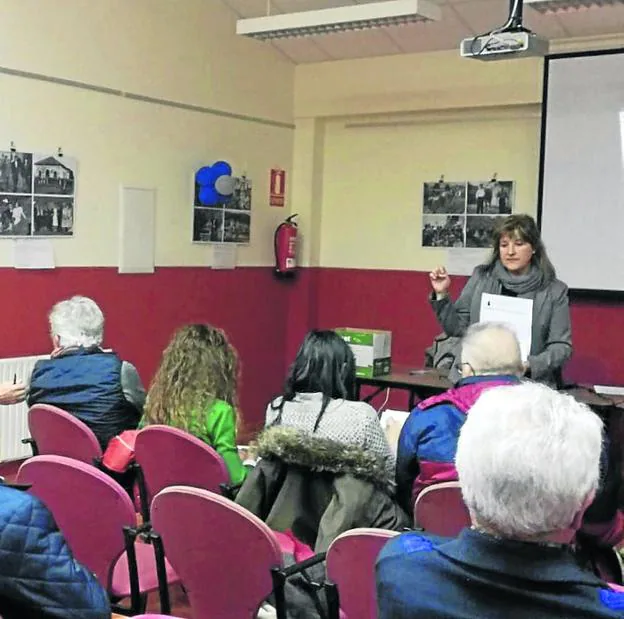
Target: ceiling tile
(548, 26)
(603, 20)
(302, 50)
(357, 44)
(431, 36)
(483, 15)
(247, 8)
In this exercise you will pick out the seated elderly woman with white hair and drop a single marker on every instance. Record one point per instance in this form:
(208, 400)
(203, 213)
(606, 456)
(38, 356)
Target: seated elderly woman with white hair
(528, 460)
(96, 386)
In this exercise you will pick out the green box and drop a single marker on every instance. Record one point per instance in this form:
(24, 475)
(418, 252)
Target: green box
(372, 350)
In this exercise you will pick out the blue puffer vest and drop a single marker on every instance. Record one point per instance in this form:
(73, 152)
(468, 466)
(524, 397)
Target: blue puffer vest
(87, 383)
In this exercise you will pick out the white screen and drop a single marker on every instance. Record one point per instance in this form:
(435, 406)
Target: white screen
(582, 218)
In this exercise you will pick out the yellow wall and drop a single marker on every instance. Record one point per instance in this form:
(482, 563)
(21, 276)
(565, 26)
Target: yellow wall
(184, 52)
(387, 125)
(372, 202)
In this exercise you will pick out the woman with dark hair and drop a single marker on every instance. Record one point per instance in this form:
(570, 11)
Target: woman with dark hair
(319, 394)
(517, 267)
(195, 389)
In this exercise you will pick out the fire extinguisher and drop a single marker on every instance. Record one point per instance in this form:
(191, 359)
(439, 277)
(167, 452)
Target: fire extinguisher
(285, 242)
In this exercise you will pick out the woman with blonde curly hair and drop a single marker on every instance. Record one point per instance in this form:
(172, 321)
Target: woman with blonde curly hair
(195, 390)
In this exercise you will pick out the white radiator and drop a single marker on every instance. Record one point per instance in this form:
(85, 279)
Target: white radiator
(14, 418)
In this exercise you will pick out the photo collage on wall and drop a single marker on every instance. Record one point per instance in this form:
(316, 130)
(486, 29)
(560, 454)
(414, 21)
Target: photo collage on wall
(37, 194)
(463, 214)
(229, 222)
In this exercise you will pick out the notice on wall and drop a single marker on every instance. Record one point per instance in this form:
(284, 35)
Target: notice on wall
(33, 254)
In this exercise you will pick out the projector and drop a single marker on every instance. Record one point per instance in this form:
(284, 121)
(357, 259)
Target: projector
(501, 45)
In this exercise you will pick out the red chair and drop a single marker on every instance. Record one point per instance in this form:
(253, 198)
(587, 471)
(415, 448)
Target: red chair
(171, 457)
(57, 432)
(440, 509)
(228, 559)
(97, 518)
(350, 585)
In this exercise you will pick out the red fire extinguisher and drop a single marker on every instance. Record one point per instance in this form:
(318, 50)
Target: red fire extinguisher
(285, 241)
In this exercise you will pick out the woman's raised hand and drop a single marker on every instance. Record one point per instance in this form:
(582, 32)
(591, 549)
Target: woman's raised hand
(440, 281)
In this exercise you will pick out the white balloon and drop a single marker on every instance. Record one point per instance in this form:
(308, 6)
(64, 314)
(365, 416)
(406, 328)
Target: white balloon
(225, 185)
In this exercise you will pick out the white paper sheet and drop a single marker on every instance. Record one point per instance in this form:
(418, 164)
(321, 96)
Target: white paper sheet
(391, 423)
(514, 312)
(33, 254)
(462, 260)
(224, 256)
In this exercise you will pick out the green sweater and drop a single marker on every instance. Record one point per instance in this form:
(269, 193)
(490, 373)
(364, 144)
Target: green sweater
(217, 428)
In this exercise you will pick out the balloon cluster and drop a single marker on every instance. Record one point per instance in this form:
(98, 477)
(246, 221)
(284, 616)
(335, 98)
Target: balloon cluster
(216, 184)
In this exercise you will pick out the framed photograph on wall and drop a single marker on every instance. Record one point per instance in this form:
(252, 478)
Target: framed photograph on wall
(227, 222)
(459, 214)
(37, 194)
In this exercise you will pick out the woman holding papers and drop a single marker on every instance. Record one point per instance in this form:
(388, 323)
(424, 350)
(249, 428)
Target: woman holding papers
(518, 267)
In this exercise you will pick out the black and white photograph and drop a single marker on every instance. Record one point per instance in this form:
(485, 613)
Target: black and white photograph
(443, 230)
(479, 230)
(208, 225)
(241, 198)
(491, 197)
(15, 172)
(53, 216)
(54, 174)
(15, 215)
(237, 227)
(444, 197)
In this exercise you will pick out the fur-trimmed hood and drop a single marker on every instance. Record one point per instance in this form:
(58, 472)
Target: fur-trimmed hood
(321, 454)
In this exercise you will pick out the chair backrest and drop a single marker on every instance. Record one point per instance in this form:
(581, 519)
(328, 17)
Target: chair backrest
(172, 457)
(58, 433)
(351, 567)
(208, 539)
(89, 507)
(440, 509)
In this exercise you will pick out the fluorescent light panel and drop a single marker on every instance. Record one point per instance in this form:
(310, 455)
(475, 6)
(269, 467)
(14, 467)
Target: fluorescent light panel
(568, 6)
(339, 19)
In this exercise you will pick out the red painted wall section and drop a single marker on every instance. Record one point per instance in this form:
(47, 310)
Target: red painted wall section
(142, 311)
(266, 319)
(397, 300)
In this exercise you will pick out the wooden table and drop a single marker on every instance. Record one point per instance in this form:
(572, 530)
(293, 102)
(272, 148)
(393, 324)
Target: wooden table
(419, 383)
(423, 383)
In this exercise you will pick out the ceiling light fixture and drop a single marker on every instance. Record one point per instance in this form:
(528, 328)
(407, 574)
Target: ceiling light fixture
(549, 7)
(339, 19)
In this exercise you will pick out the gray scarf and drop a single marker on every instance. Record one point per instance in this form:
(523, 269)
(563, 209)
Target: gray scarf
(531, 281)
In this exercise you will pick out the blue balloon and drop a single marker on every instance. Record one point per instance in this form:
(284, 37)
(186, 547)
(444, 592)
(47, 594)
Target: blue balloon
(206, 176)
(221, 168)
(208, 196)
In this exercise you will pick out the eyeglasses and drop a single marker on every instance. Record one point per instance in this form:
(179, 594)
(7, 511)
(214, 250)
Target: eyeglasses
(461, 371)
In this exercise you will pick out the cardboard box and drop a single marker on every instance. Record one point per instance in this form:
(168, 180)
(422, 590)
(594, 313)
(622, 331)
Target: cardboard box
(372, 350)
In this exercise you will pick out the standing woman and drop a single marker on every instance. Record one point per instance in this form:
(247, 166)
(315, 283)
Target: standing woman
(195, 389)
(517, 267)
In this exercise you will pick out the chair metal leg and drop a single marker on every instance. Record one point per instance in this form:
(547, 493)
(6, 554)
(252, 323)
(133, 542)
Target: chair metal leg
(161, 572)
(133, 571)
(279, 579)
(333, 600)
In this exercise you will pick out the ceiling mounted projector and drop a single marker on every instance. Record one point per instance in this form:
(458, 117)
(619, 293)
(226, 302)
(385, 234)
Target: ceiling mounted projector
(339, 19)
(511, 40)
(568, 6)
